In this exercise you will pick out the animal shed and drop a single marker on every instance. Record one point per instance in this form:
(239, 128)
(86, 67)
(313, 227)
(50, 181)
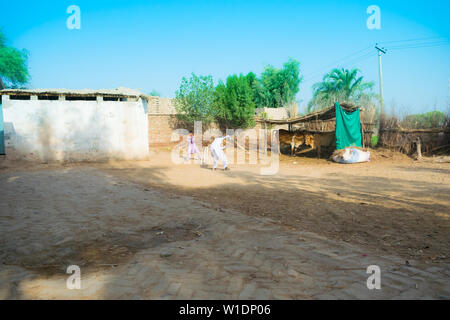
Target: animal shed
(315, 131)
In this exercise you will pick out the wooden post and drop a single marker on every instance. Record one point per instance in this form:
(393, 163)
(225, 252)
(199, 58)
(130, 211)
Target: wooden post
(317, 143)
(278, 142)
(419, 149)
(362, 129)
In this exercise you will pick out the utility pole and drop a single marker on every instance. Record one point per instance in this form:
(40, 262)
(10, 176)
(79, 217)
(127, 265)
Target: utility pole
(380, 51)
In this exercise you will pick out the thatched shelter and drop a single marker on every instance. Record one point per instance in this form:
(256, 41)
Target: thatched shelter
(322, 125)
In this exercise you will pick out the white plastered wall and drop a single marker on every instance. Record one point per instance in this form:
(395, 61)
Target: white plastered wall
(76, 130)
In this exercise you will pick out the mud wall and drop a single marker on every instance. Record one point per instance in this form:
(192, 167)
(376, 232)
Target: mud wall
(64, 130)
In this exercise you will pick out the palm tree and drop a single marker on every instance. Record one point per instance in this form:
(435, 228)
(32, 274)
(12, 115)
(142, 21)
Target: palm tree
(341, 85)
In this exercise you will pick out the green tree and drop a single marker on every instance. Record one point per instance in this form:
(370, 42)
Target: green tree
(234, 101)
(278, 86)
(13, 65)
(194, 99)
(341, 85)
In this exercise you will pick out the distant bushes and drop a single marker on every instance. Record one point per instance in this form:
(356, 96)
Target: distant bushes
(429, 120)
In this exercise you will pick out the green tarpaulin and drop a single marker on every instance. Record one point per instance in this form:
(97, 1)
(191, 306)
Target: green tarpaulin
(348, 128)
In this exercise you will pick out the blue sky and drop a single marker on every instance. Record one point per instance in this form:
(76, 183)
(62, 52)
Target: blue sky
(152, 44)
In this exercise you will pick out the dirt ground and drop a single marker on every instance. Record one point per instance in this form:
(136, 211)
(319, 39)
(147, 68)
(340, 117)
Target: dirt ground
(393, 205)
(118, 218)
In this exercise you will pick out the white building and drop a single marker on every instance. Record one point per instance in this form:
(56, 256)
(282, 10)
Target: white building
(75, 125)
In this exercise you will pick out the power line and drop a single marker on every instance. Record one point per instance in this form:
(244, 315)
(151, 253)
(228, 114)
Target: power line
(410, 40)
(359, 59)
(320, 73)
(418, 44)
(428, 45)
(352, 61)
(362, 54)
(336, 62)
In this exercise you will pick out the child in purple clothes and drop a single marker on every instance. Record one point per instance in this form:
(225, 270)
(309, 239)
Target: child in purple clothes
(192, 148)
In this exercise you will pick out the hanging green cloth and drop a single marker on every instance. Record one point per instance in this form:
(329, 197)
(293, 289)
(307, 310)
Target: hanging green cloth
(348, 128)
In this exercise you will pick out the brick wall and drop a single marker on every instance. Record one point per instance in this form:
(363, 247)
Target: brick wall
(161, 126)
(161, 121)
(160, 129)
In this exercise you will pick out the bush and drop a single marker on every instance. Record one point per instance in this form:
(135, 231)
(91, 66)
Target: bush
(429, 120)
(374, 141)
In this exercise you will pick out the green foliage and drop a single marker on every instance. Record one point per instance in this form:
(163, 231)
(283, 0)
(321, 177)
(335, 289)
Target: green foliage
(13, 64)
(429, 120)
(374, 141)
(278, 87)
(234, 101)
(194, 99)
(340, 85)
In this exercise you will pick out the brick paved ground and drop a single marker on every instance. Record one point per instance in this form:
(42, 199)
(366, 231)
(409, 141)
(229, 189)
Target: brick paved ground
(135, 243)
